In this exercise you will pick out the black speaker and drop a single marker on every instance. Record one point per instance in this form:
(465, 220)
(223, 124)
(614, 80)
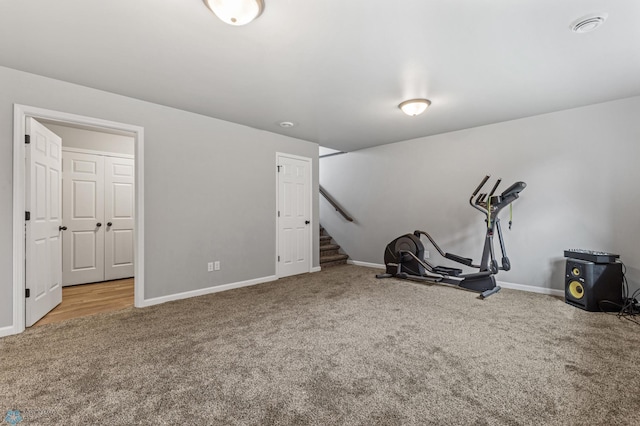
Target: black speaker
(593, 286)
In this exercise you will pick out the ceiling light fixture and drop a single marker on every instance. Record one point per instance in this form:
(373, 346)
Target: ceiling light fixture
(286, 124)
(588, 23)
(414, 107)
(236, 12)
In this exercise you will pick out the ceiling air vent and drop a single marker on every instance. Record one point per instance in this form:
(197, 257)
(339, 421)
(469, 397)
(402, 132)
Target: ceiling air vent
(588, 23)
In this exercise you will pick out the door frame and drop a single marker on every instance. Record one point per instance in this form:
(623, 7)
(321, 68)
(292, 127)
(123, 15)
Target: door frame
(310, 183)
(20, 113)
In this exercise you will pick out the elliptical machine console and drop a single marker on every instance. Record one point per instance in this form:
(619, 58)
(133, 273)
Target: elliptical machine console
(404, 256)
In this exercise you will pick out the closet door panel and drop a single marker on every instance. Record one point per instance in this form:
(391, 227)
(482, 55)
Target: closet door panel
(119, 214)
(83, 216)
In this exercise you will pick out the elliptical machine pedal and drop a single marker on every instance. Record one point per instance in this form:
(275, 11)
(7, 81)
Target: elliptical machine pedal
(454, 272)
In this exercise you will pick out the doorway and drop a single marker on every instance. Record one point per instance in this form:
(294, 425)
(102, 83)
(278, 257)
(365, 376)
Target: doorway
(97, 221)
(97, 204)
(22, 116)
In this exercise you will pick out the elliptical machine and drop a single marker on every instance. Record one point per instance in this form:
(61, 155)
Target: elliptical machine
(404, 256)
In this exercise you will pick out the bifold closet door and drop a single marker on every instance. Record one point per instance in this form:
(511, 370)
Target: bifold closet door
(119, 210)
(83, 216)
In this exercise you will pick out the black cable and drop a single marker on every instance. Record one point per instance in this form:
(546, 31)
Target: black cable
(629, 310)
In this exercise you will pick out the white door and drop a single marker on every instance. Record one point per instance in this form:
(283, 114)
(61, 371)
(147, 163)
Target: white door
(294, 215)
(43, 266)
(83, 204)
(118, 204)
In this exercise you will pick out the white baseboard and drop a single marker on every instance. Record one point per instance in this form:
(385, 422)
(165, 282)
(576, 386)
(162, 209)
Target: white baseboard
(203, 291)
(366, 264)
(7, 331)
(532, 289)
(513, 286)
(315, 269)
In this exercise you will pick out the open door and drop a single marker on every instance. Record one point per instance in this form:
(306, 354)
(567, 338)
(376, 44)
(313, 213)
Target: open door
(43, 203)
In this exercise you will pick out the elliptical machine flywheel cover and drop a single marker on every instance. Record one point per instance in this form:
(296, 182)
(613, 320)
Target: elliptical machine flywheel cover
(410, 243)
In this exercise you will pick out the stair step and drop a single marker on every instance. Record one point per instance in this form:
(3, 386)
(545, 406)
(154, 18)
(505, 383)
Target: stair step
(329, 252)
(325, 239)
(328, 247)
(334, 260)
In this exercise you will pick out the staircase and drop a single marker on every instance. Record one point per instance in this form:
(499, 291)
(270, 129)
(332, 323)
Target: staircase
(329, 252)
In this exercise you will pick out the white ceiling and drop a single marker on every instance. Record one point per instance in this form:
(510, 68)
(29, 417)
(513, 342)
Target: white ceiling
(336, 68)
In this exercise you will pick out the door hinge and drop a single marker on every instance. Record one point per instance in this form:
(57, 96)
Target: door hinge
(27, 215)
(27, 292)
(278, 213)
(278, 169)
(278, 258)
(27, 139)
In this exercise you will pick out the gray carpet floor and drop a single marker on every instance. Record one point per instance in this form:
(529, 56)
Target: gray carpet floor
(335, 347)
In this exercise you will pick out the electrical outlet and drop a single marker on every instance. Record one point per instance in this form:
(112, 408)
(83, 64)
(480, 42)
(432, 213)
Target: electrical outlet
(217, 265)
(426, 254)
(210, 267)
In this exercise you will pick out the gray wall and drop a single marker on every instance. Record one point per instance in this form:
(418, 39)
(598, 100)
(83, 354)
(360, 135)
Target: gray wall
(210, 186)
(88, 139)
(582, 175)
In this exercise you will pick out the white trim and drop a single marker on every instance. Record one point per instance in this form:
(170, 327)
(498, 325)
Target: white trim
(138, 220)
(366, 264)
(209, 290)
(275, 215)
(315, 269)
(96, 152)
(20, 112)
(532, 289)
(19, 125)
(311, 224)
(7, 331)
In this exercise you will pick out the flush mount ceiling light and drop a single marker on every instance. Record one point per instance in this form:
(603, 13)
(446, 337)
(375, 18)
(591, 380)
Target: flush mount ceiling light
(414, 107)
(588, 23)
(286, 124)
(236, 12)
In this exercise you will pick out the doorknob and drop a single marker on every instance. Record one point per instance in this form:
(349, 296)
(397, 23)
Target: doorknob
(62, 228)
(306, 222)
(98, 224)
(109, 223)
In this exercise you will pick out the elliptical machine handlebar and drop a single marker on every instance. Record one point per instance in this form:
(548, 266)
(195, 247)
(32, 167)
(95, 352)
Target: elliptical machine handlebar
(417, 233)
(486, 178)
(490, 204)
(481, 196)
(493, 190)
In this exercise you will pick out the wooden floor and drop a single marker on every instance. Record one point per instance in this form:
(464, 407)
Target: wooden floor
(89, 299)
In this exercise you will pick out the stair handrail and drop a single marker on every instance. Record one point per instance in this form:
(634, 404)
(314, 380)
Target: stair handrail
(331, 201)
